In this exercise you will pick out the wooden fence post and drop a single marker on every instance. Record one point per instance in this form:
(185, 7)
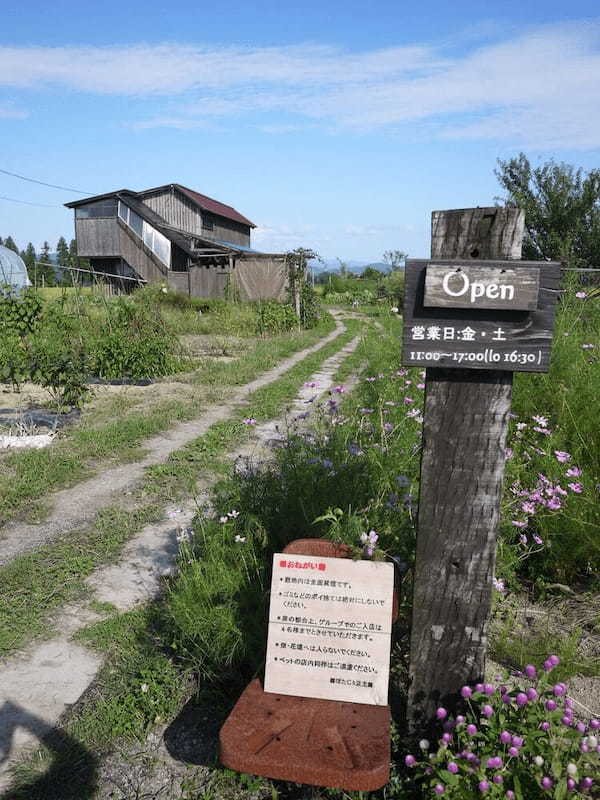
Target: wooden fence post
(462, 467)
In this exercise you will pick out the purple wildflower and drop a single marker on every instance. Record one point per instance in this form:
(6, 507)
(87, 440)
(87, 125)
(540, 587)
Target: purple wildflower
(530, 671)
(522, 699)
(562, 456)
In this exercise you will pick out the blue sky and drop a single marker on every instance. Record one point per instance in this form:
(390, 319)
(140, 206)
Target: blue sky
(333, 125)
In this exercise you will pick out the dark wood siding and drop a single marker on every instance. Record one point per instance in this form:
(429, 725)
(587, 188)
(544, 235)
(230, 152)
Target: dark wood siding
(97, 237)
(208, 282)
(175, 209)
(182, 213)
(227, 230)
(179, 281)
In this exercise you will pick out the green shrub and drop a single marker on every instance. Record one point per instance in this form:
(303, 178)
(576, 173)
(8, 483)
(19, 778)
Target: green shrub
(310, 307)
(134, 343)
(19, 312)
(392, 287)
(273, 317)
(57, 357)
(14, 365)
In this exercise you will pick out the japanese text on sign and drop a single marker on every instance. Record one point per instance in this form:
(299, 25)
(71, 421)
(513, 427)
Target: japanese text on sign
(329, 629)
(496, 315)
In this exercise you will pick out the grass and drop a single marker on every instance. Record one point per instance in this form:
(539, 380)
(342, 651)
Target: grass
(35, 584)
(137, 689)
(568, 397)
(211, 622)
(140, 684)
(27, 477)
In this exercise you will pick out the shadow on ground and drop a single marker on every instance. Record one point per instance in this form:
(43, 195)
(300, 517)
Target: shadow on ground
(73, 771)
(193, 736)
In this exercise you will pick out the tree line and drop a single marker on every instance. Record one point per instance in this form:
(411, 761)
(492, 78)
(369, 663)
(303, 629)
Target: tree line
(41, 270)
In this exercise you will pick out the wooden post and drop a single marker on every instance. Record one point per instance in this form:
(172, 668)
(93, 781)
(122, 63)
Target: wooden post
(462, 468)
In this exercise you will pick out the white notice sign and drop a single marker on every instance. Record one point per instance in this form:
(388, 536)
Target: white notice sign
(330, 622)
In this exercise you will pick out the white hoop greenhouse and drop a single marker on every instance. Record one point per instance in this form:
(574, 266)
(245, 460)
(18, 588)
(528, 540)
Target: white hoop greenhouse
(13, 271)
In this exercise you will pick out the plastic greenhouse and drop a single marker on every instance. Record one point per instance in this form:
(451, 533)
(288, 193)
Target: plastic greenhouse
(13, 271)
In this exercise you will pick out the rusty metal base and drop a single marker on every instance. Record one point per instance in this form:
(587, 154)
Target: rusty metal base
(304, 740)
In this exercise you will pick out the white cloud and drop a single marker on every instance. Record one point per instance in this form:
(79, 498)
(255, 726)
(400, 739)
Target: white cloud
(539, 87)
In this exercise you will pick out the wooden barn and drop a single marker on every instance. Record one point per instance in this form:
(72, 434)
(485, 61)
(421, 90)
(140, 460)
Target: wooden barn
(173, 235)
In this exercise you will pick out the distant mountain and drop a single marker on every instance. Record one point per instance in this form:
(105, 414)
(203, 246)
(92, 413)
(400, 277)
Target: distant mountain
(357, 267)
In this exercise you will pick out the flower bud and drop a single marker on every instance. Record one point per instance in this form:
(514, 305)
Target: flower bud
(522, 699)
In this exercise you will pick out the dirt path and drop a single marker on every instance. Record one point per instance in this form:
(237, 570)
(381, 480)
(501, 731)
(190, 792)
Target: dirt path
(38, 685)
(78, 505)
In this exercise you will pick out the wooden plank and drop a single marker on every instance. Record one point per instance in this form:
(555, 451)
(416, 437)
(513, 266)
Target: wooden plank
(474, 287)
(485, 233)
(479, 338)
(462, 467)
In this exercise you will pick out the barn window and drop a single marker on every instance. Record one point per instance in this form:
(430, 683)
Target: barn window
(102, 208)
(155, 241)
(207, 222)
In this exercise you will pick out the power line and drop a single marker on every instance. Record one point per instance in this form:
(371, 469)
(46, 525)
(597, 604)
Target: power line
(27, 203)
(43, 183)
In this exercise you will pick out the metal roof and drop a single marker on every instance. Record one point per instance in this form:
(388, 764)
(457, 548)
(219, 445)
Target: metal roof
(13, 271)
(214, 206)
(201, 200)
(244, 249)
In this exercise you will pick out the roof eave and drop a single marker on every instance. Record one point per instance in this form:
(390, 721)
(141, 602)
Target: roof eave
(95, 197)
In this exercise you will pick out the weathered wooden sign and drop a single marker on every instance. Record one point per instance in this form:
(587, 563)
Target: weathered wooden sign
(468, 286)
(480, 314)
(330, 624)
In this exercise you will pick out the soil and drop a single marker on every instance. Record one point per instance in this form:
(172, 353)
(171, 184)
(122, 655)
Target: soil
(77, 506)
